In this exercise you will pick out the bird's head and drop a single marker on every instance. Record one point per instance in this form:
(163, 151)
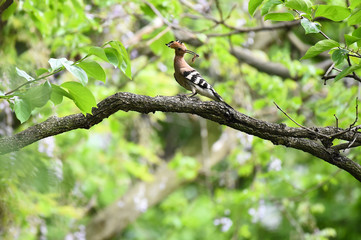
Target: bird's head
(180, 48)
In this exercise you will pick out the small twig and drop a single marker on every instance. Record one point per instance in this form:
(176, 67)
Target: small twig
(301, 126)
(336, 120)
(230, 12)
(324, 35)
(203, 14)
(34, 80)
(159, 35)
(337, 69)
(236, 30)
(158, 13)
(325, 78)
(356, 56)
(302, 17)
(48, 75)
(352, 126)
(328, 72)
(345, 131)
(356, 113)
(329, 69)
(344, 146)
(353, 141)
(219, 10)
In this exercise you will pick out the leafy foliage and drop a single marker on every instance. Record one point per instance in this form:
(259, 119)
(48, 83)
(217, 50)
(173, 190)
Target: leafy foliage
(39, 95)
(334, 13)
(308, 12)
(320, 47)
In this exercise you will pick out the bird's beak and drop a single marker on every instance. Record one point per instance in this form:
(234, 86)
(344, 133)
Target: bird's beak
(191, 52)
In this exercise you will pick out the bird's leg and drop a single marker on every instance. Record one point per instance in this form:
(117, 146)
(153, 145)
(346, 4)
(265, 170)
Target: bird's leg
(194, 92)
(186, 95)
(190, 94)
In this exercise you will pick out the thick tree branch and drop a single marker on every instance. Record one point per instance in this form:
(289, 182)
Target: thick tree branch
(256, 29)
(271, 68)
(280, 134)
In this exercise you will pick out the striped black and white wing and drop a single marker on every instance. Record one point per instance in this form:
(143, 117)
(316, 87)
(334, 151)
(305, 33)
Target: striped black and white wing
(200, 85)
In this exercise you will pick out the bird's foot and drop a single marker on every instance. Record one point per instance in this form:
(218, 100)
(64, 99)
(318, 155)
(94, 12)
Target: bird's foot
(186, 95)
(182, 95)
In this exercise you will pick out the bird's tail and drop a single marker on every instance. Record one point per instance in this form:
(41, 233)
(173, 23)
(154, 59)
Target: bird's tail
(227, 105)
(218, 98)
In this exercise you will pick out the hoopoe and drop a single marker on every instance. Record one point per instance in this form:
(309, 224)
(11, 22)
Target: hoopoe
(188, 77)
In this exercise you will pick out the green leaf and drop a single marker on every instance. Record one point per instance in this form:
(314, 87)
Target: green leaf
(355, 18)
(99, 52)
(347, 71)
(93, 69)
(301, 5)
(320, 47)
(268, 5)
(23, 74)
(38, 96)
(253, 5)
(339, 55)
(56, 63)
(120, 49)
(22, 109)
(310, 27)
(77, 72)
(56, 98)
(279, 17)
(82, 96)
(61, 91)
(41, 71)
(354, 3)
(335, 13)
(351, 39)
(357, 33)
(57, 94)
(112, 56)
(124, 64)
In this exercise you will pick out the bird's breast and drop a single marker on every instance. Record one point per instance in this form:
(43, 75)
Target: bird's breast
(181, 80)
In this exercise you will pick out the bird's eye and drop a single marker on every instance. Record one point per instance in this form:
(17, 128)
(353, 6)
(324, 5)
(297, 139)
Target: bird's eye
(179, 49)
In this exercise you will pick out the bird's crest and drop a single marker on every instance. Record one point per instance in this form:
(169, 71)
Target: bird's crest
(179, 46)
(175, 44)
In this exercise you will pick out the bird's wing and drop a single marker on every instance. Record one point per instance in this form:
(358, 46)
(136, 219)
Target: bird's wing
(200, 85)
(182, 81)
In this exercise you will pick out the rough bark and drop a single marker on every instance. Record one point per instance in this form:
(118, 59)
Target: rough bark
(313, 142)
